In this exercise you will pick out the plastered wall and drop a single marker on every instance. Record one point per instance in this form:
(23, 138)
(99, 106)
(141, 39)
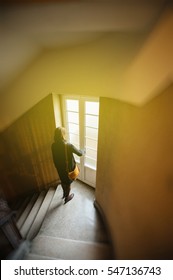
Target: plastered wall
(152, 68)
(131, 67)
(135, 176)
(92, 69)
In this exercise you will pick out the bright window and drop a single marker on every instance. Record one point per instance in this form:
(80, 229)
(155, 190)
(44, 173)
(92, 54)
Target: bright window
(81, 116)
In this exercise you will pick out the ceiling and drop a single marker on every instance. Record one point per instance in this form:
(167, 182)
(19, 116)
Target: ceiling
(27, 27)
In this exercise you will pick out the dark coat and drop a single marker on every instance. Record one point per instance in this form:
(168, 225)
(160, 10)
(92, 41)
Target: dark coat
(59, 159)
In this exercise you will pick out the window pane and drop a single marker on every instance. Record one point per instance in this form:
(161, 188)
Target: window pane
(74, 139)
(89, 143)
(91, 121)
(77, 159)
(72, 105)
(91, 133)
(91, 153)
(73, 117)
(92, 108)
(73, 128)
(90, 162)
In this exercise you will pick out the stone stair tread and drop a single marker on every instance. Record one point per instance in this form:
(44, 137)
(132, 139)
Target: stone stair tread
(32, 214)
(37, 257)
(56, 198)
(41, 214)
(68, 249)
(23, 205)
(26, 211)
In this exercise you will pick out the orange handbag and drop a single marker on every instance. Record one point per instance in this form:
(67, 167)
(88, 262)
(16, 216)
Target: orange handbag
(74, 173)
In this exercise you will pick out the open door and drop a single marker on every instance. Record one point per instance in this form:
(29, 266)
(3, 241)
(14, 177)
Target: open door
(81, 119)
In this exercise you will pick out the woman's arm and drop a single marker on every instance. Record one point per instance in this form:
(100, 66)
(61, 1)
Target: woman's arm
(76, 151)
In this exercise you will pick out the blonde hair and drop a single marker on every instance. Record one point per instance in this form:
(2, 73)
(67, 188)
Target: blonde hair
(59, 134)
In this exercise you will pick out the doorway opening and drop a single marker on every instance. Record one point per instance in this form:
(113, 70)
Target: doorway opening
(81, 120)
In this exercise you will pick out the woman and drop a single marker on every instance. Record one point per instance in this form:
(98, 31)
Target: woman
(60, 148)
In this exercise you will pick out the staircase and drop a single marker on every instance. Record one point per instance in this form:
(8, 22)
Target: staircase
(43, 219)
(33, 215)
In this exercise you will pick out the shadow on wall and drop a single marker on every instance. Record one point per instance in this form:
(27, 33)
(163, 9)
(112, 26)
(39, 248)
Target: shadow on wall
(25, 151)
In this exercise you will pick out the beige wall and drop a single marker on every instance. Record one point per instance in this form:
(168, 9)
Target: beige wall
(57, 109)
(152, 69)
(125, 66)
(135, 176)
(89, 69)
(128, 67)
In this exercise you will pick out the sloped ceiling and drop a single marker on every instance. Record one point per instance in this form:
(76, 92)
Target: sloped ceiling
(28, 26)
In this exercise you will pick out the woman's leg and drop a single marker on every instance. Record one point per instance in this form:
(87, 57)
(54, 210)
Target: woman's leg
(64, 189)
(68, 196)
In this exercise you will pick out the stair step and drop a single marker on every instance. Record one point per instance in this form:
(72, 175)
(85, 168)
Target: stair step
(37, 257)
(55, 203)
(27, 210)
(31, 216)
(56, 198)
(67, 249)
(41, 214)
(22, 207)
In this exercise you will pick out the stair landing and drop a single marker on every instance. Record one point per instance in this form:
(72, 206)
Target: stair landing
(65, 231)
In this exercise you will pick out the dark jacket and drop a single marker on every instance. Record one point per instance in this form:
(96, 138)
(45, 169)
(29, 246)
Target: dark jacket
(59, 159)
